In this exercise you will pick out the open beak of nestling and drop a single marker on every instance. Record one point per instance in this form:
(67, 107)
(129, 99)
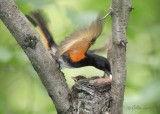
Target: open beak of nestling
(74, 78)
(78, 78)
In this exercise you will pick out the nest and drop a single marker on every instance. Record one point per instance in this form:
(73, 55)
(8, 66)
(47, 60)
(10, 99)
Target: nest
(91, 95)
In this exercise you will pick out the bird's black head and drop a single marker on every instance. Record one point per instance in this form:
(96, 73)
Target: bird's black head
(103, 64)
(100, 63)
(97, 61)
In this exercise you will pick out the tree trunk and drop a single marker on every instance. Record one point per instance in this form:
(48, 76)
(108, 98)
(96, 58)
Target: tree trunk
(43, 63)
(87, 96)
(120, 14)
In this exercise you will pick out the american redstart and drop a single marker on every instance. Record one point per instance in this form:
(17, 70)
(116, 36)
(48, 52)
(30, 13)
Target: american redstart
(73, 51)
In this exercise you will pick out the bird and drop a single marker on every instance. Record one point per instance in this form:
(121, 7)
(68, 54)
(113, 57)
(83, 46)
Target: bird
(78, 78)
(74, 51)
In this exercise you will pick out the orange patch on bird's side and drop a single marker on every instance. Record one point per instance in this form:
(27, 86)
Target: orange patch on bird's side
(77, 53)
(75, 57)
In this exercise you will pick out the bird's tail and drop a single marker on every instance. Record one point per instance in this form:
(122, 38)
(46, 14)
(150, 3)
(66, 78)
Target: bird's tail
(40, 24)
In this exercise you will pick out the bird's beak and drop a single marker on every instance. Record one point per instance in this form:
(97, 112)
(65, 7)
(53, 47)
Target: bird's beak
(108, 74)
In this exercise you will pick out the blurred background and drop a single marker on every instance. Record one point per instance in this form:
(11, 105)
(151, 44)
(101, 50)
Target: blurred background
(21, 91)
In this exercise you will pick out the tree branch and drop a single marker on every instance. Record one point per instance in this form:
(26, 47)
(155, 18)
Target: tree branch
(43, 63)
(120, 14)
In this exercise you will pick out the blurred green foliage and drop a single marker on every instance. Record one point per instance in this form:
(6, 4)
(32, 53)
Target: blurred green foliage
(21, 91)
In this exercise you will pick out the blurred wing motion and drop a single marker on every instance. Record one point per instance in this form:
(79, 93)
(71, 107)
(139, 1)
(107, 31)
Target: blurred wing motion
(77, 44)
(41, 27)
(106, 47)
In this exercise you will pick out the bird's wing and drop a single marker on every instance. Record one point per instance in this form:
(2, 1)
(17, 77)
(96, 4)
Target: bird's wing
(77, 44)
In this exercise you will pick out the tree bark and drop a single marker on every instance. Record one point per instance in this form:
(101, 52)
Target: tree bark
(120, 14)
(46, 67)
